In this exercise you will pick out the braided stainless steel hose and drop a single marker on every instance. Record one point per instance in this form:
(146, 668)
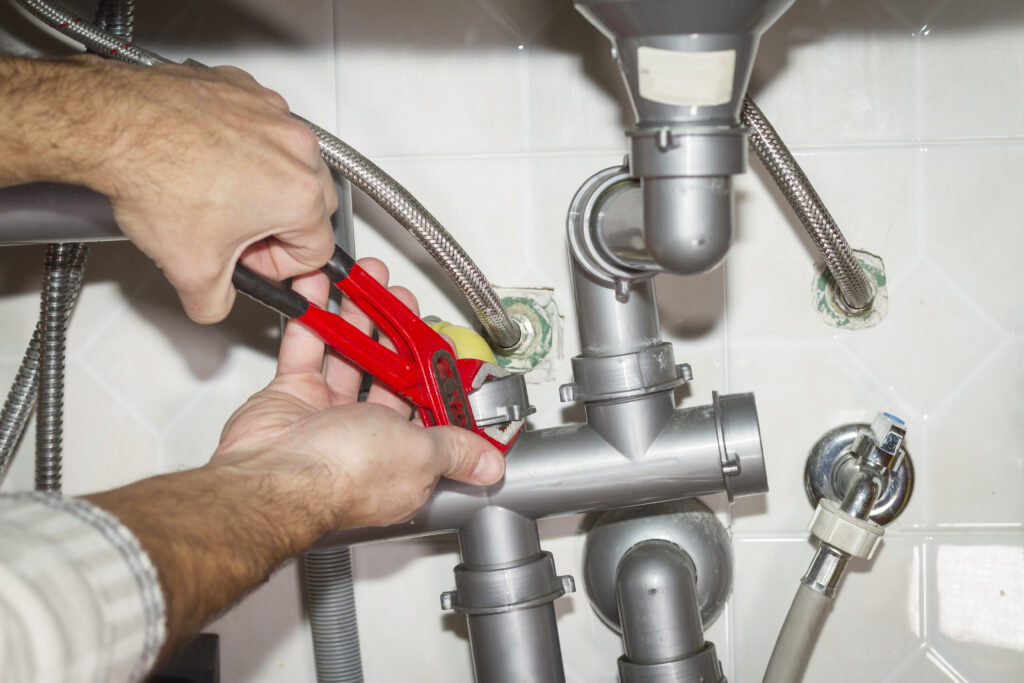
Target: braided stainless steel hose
(847, 272)
(95, 39)
(353, 166)
(407, 210)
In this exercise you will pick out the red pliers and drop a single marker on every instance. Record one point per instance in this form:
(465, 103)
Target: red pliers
(421, 368)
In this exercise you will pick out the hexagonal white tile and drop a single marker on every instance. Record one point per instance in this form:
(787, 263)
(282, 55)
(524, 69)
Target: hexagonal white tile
(976, 605)
(972, 232)
(931, 335)
(155, 357)
(975, 458)
(851, 67)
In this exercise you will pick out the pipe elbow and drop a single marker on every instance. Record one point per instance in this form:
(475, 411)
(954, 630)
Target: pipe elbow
(656, 592)
(688, 222)
(655, 569)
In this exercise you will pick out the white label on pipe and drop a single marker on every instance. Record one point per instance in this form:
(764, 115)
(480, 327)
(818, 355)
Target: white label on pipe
(686, 78)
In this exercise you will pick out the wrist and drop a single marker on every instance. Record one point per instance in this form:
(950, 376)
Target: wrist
(294, 496)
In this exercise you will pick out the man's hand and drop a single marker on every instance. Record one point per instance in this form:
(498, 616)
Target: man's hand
(360, 464)
(202, 165)
(299, 459)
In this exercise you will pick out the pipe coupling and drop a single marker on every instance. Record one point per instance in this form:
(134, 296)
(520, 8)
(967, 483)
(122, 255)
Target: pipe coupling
(687, 151)
(739, 444)
(625, 376)
(503, 589)
(703, 666)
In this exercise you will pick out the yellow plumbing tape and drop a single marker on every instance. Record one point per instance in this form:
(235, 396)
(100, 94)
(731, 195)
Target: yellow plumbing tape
(468, 344)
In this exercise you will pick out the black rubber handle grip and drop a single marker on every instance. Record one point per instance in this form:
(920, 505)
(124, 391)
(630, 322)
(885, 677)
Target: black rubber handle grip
(339, 266)
(286, 302)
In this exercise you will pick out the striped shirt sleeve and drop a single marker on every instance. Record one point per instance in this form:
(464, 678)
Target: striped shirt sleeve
(79, 598)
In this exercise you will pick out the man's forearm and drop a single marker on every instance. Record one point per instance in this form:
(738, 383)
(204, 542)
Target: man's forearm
(213, 534)
(199, 164)
(52, 126)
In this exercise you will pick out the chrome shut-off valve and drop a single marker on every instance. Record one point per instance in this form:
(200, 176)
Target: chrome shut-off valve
(860, 478)
(845, 453)
(882, 445)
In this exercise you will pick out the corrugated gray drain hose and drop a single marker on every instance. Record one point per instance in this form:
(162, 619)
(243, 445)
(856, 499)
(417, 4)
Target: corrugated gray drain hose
(350, 164)
(331, 602)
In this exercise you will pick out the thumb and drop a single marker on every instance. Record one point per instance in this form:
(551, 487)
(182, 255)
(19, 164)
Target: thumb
(467, 457)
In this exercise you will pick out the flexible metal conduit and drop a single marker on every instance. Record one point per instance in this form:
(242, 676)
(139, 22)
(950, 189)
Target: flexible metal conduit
(56, 302)
(352, 165)
(20, 401)
(22, 396)
(62, 277)
(116, 16)
(786, 172)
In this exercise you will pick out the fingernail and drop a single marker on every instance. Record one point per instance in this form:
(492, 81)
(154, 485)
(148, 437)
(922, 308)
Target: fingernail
(488, 468)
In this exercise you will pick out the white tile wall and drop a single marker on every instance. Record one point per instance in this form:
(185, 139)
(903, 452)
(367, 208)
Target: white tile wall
(908, 116)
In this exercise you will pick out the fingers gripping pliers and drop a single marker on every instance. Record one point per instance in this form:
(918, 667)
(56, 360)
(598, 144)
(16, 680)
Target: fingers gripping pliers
(422, 367)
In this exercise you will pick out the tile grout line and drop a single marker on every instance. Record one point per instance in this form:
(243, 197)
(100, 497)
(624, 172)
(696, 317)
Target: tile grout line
(796, 343)
(969, 377)
(93, 338)
(809, 150)
(968, 300)
(944, 666)
(730, 614)
(726, 340)
(179, 416)
(897, 673)
(930, 533)
(876, 381)
(97, 377)
(332, 11)
(731, 606)
(922, 590)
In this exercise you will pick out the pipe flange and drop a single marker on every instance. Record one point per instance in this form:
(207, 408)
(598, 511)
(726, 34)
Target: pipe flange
(691, 151)
(625, 376)
(702, 667)
(833, 453)
(583, 244)
(492, 591)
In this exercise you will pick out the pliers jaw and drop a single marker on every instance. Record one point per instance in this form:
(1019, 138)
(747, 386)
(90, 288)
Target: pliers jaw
(498, 400)
(422, 367)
